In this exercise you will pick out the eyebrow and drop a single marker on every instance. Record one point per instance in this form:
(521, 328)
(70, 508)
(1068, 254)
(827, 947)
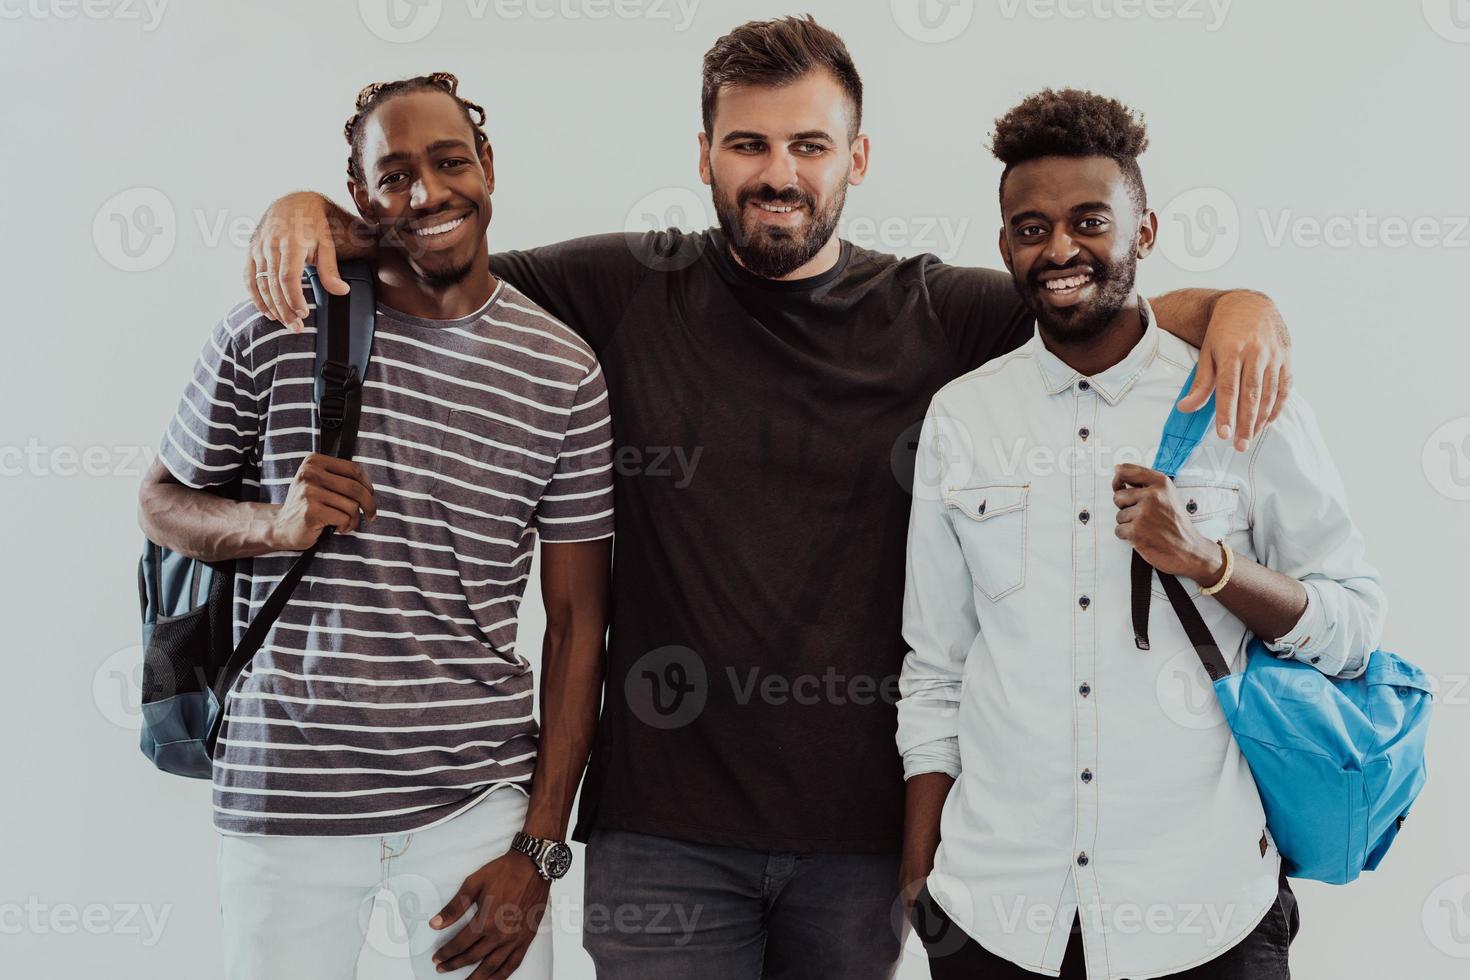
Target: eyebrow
(1017, 219)
(741, 135)
(437, 146)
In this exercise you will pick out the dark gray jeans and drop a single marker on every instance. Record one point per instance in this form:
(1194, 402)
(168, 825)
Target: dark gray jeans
(953, 955)
(662, 909)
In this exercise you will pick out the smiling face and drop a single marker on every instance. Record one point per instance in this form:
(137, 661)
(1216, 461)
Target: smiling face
(426, 186)
(1072, 236)
(778, 162)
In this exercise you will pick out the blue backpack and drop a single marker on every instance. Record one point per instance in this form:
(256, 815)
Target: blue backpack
(1338, 763)
(190, 659)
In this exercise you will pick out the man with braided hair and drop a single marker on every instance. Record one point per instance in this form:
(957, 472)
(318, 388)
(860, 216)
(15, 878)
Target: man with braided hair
(767, 379)
(384, 735)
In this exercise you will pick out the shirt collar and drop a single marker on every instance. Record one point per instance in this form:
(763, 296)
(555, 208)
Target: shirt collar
(1058, 376)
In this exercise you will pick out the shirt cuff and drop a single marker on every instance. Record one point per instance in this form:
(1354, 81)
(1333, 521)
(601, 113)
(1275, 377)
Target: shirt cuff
(1307, 640)
(940, 755)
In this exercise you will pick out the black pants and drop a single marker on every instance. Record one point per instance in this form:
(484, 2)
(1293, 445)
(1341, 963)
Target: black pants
(953, 955)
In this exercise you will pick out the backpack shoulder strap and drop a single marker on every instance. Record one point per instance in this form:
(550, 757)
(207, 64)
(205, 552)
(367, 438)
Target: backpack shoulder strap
(343, 348)
(1183, 432)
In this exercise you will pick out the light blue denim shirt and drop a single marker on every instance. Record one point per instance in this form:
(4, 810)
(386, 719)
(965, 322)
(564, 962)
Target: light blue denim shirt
(1093, 777)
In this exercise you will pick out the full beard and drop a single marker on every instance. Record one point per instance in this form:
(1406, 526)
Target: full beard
(773, 253)
(1083, 322)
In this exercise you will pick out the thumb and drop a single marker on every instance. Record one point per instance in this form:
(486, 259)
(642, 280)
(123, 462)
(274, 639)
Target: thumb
(1204, 384)
(326, 268)
(450, 914)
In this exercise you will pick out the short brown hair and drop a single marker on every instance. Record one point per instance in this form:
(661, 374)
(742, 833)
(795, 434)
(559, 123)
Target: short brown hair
(778, 52)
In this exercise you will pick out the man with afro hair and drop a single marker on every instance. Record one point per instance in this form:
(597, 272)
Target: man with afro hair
(1077, 805)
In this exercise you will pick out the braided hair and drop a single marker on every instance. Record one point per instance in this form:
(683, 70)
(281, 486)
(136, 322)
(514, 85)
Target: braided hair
(373, 95)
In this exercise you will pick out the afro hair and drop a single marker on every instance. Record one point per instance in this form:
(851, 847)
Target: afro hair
(1072, 123)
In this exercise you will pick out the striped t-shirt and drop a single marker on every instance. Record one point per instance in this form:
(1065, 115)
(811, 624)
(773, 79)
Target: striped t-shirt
(388, 696)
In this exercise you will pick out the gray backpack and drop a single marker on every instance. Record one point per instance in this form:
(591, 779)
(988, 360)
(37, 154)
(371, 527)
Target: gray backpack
(190, 661)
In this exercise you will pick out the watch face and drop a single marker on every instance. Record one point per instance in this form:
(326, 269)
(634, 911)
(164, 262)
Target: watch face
(558, 860)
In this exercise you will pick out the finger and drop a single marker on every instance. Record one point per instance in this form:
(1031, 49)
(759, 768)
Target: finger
(512, 963)
(325, 507)
(451, 913)
(348, 487)
(1204, 383)
(469, 957)
(1227, 383)
(250, 287)
(1128, 496)
(1283, 388)
(496, 965)
(474, 932)
(1132, 475)
(349, 470)
(326, 266)
(280, 311)
(1248, 404)
(1269, 384)
(294, 257)
(1124, 531)
(1127, 515)
(281, 283)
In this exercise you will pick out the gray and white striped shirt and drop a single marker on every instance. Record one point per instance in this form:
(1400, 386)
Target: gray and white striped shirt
(388, 696)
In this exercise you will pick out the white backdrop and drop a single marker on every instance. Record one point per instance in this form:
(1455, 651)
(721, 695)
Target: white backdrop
(1311, 149)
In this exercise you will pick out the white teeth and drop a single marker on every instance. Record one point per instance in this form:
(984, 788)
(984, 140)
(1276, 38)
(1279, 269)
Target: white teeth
(439, 229)
(1071, 282)
(777, 208)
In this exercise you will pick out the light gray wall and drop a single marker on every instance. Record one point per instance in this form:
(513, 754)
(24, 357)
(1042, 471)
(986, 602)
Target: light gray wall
(1311, 149)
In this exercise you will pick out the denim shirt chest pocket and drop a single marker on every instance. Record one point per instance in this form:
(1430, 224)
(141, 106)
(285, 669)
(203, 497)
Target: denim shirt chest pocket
(990, 522)
(1214, 507)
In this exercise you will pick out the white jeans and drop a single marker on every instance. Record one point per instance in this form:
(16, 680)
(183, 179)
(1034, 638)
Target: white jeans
(299, 907)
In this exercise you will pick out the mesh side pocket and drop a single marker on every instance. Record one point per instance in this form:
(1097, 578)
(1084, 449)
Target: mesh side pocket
(179, 658)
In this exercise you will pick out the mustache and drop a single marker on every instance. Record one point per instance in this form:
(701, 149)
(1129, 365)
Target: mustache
(1100, 270)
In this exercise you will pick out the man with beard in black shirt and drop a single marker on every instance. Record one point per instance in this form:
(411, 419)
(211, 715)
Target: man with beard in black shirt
(743, 808)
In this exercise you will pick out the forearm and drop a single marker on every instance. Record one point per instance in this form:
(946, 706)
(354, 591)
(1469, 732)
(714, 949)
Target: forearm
(1267, 602)
(354, 238)
(571, 688)
(1186, 313)
(923, 805)
(204, 526)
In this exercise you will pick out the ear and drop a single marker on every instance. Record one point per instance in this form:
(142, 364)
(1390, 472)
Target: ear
(1005, 251)
(361, 200)
(487, 163)
(704, 165)
(1148, 231)
(862, 149)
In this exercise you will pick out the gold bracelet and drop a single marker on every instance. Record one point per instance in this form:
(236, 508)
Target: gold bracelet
(1229, 570)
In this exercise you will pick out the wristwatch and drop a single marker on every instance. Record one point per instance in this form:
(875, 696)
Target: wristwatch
(553, 857)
